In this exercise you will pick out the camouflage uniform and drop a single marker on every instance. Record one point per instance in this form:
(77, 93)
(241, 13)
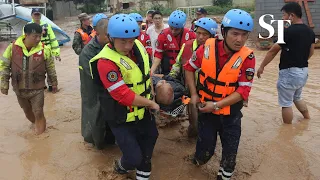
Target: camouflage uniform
(78, 41)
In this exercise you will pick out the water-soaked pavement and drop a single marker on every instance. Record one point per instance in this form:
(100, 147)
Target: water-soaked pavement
(268, 149)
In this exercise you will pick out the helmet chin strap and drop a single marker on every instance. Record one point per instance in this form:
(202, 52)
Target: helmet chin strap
(112, 43)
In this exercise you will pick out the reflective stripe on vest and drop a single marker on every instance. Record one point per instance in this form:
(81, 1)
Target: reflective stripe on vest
(85, 37)
(138, 81)
(188, 49)
(213, 85)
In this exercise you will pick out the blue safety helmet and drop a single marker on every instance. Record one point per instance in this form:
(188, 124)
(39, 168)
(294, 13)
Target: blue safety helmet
(123, 26)
(177, 19)
(207, 24)
(136, 16)
(239, 19)
(96, 18)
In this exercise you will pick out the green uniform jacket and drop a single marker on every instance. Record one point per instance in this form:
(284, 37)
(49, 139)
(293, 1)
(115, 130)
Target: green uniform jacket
(94, 128)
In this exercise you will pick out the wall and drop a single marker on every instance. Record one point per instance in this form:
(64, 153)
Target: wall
(184, 3)
(63, 9)
(243, 3)
(274, 7)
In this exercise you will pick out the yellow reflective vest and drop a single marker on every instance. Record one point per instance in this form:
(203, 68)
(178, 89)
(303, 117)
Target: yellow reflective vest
(138, 80)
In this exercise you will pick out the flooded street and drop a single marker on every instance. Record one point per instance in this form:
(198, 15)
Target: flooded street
(268, 149)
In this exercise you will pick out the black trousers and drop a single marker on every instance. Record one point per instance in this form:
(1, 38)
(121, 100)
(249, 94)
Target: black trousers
(136, 141)
(229, 130)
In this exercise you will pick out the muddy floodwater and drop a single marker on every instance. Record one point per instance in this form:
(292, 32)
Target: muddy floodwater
(268, 149)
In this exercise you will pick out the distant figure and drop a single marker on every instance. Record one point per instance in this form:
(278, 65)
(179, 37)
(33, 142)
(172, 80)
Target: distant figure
(82, 35)
(298, 48)
(201, 12)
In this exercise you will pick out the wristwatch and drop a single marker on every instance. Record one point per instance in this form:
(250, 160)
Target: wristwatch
(215, 106)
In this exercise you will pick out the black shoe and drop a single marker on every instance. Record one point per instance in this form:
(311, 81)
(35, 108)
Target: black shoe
(219, 177)
(119, 169)
(50, 89)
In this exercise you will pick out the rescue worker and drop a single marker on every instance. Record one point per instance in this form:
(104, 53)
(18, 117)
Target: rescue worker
(27, 60)
(82, 35)
(123, 68)
(48, 38)
(201, 13)
(170, 41)
(143, 37)
(204, 29)
(94, 128)
(225, 80)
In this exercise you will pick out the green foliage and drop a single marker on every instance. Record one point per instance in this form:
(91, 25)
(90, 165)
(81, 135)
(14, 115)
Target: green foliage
(215, 10)
(90, 6)
(223, 2)
(164, 10)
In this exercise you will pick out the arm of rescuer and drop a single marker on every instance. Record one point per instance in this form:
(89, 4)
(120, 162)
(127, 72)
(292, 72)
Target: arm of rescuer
(111, 78)
(5, 63)
(50, 68)
(245, 80)
(158, 53)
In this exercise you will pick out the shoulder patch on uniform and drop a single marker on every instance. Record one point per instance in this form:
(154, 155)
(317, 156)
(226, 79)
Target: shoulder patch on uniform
(251, 56)
(112, 76)
(250, 73)
(148, 42)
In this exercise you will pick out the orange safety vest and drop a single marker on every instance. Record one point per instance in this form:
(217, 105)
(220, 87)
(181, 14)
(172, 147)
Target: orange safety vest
(85, 37)
(93, 34)
(213, 85)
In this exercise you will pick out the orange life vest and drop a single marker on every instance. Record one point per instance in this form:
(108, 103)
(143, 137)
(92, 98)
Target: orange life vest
(213, 85)
(85, 37)
(93, 34)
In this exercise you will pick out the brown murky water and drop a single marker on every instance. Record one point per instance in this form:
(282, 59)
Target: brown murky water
(268, 149)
